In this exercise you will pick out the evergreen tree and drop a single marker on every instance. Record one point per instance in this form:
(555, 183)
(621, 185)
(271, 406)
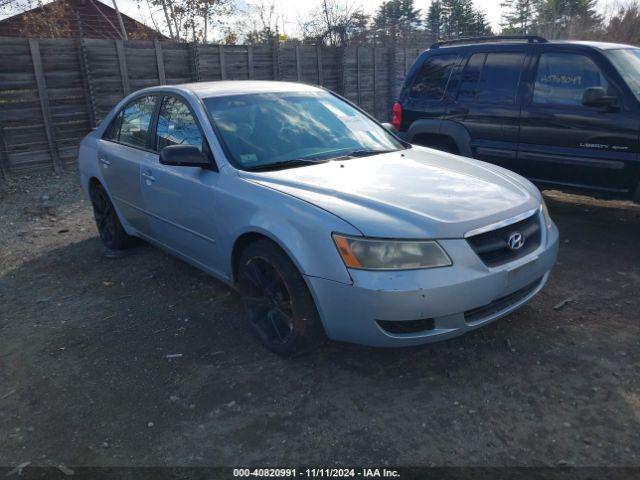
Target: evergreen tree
(435, 19)
(569, 18)
(519, 16)
(396, 18)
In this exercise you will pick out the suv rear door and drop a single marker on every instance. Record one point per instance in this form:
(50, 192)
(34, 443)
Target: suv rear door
(424, 98)
(487, 102)
(563, 141)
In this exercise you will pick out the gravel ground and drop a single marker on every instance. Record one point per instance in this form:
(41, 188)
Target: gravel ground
(87, 375)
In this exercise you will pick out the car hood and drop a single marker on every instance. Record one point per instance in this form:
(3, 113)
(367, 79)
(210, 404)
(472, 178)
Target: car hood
(414, 193)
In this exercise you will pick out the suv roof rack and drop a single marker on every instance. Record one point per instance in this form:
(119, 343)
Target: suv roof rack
(496, 38)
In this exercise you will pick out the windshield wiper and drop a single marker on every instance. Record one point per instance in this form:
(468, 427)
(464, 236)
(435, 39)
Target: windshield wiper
(285, 164)
(361, 153)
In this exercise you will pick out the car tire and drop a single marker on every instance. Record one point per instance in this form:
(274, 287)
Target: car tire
(279, 305)
(110, 229)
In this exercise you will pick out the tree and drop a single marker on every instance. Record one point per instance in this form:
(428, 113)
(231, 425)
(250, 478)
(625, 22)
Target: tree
(435, 19)
(263, 21)
(189, 19)
(569, 19)
(333, 23)
(624, 26)
(396, 18)
(519, 16)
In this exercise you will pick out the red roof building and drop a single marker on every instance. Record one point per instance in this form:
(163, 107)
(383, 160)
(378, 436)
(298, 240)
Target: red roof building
(75, 18)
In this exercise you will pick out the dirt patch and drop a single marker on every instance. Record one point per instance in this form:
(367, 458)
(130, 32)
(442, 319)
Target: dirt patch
(143, 360)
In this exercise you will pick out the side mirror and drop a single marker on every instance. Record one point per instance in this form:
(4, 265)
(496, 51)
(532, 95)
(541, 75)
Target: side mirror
(389, 127)
(597, 97)
(184, 156)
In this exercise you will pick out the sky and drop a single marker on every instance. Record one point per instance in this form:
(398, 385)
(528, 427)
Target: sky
(294, 10)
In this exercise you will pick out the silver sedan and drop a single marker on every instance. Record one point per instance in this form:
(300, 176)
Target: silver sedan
(327, 223)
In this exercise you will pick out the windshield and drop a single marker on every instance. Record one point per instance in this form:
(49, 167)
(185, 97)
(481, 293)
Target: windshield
(627, 62)
(268, 129)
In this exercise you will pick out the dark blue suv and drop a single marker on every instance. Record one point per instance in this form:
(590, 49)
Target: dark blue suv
(562, 113)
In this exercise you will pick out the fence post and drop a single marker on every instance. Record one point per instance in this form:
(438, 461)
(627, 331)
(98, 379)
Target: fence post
(223, 64)
(194, 52)
(4, 155)
(358, 76)
(160, 62)
(276, 58)
(250, 61)
(34, 47)
(319, 59)
(298, 66)
(393, 76)
(88, 83)
(341, 70)
(375, 74)
(122, 61)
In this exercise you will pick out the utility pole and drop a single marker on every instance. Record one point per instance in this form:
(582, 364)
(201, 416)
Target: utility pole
(124, 32)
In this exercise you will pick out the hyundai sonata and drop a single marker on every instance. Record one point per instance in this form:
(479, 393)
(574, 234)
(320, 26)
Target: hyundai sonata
(326, 222)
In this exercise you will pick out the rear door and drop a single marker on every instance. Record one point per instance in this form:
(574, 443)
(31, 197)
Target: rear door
(123, 146)
(424, 98)
(567, 143)
(487, 103)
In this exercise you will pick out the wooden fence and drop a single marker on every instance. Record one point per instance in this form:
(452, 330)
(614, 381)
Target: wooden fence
(53, 91)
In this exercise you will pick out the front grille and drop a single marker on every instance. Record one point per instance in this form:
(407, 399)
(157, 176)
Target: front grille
(500, 304)
(493, 249)
(406, 326)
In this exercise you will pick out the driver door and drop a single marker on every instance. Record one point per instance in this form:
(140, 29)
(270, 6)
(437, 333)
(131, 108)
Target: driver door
(563, 141)
(181, 201)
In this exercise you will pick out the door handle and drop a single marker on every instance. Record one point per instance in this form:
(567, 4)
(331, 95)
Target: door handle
(104, 161)
(148, 177)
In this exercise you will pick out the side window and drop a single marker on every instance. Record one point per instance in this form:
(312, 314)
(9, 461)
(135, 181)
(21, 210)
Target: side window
(500, 78)
(492, 78)
(471, 77)
(134, 122)
(431, 80)
(113, 130)
(562, 78)
(176, 125)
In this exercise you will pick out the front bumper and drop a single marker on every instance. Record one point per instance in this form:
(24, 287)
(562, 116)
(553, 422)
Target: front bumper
(351, 313)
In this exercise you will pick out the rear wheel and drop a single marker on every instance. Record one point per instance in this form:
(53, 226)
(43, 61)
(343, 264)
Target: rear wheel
(111, 231)
(278, 303)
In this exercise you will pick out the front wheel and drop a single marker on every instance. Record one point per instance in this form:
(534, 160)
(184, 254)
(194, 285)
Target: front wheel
(280, 308)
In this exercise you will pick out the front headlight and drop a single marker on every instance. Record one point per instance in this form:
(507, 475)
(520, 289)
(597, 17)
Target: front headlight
(376, 254)
(545, 213)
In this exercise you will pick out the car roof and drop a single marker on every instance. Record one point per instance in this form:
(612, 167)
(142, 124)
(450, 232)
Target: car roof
(585, 43)
(240, 87)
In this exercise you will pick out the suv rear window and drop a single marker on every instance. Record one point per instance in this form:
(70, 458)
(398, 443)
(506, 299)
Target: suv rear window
(431, 80)
(492, 78)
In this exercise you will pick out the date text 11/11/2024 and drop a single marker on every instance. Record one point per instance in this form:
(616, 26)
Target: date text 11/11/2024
(316, 473)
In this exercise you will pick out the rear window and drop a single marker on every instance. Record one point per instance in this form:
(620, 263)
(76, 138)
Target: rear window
(492, 78)
(431, 80)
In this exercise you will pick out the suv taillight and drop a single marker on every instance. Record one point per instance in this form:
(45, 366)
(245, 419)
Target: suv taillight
(396, 119)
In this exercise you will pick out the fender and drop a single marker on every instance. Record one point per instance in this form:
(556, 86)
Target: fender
(456, 131)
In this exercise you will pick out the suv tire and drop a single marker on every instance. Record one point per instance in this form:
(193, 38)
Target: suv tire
(279, 305)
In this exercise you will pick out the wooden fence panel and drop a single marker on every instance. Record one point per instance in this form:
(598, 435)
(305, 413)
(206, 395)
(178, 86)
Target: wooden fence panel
(47, 107)
(67, 96)
(22, 135)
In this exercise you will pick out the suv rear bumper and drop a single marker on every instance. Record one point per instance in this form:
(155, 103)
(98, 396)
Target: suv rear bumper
(441, 296)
